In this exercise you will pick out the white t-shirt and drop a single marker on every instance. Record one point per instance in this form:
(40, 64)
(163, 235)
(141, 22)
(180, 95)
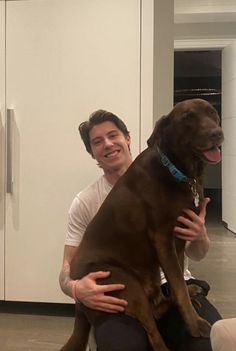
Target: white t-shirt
(85, 206)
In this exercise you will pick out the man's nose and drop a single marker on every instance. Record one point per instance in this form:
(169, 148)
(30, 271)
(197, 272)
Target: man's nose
(107, 142)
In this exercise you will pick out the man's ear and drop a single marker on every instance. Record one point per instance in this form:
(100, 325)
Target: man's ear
(161, 123)
(128, 139)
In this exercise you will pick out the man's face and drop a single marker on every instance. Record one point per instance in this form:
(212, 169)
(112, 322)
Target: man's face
(110, 147)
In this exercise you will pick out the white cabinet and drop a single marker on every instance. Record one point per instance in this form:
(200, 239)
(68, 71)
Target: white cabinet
(2, 143)
(64, 59)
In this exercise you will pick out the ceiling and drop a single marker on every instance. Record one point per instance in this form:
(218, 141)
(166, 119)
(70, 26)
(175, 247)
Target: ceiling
(203, 11)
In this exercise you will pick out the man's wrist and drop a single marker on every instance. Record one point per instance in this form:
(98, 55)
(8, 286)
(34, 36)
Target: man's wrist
(65, 280)
(73, 286)
(204, 237)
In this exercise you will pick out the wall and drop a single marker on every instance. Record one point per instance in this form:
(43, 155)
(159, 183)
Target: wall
(204, 30)
(163, 70)
(157, 98)
(229, 126)
(2, 146)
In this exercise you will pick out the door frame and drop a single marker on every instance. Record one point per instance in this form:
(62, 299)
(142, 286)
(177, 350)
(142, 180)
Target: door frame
(203, 44)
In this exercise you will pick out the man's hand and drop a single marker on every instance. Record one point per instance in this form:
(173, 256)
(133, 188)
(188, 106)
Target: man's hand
(93, 295)
(194, 231)
(194, 225)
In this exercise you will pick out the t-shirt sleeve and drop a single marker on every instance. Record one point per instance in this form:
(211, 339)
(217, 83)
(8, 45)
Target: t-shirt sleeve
(78, 220)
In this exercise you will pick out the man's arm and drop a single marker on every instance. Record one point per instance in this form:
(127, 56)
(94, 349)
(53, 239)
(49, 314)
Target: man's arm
(194, 233)
(87, 290)
(64, 278)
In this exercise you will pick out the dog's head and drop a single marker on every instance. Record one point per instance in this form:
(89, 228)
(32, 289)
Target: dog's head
(191, 131)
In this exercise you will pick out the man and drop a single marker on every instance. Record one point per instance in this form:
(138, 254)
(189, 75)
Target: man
(107, 139)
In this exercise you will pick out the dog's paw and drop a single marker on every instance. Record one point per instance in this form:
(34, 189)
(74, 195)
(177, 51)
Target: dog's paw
(202, 328)
(205, 328)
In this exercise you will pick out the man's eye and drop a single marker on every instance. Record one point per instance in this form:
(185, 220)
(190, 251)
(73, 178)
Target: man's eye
(113, 136)
(96, 142)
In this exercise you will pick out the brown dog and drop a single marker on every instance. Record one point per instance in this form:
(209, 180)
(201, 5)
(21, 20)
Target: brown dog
(132, 233)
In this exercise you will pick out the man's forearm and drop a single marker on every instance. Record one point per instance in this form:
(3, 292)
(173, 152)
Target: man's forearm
(64, 280)
(197, 250)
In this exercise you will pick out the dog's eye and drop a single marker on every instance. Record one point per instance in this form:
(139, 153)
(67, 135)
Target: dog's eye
(213, 114)
(188, 114)
(215, 117)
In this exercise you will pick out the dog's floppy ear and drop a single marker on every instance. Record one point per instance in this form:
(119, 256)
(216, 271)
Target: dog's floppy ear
(161, 123)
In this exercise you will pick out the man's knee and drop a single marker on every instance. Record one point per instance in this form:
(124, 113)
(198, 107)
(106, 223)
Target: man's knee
(223, 336)
(121, 333)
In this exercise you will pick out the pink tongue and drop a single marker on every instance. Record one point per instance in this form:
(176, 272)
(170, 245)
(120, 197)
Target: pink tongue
(213, 155)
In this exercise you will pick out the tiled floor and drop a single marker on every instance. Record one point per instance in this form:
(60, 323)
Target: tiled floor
(26, 332)
(33, 332)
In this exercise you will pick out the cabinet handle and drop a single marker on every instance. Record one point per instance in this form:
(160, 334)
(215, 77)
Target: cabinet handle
(9, 129)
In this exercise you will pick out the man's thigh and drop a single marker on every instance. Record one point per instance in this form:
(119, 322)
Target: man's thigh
(119, 332)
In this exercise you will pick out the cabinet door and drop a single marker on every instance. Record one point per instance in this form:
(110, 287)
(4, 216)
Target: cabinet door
(65, 59)
(2, 142)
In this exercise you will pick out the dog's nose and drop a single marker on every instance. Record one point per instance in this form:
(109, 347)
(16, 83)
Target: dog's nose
(217, 135)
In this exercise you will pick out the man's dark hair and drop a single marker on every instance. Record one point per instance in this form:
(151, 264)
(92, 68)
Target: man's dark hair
(98, 117)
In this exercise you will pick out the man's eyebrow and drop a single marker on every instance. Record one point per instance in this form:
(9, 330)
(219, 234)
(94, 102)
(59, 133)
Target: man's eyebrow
(100, 136)
(95, 138)
(113, 130)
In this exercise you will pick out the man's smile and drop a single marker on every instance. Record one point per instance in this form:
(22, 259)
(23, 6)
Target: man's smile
(112, 154)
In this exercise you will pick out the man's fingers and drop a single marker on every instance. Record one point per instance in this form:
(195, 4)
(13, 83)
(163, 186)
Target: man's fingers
(99, 275)
(108, 304)
(183, 220)
(109, 308)
(114, 300)
(205, 202)
(106, 287)
(111, 287)
(188, 223)
(192, 215)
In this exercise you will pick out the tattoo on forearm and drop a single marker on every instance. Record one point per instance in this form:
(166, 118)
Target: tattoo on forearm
(64, 279)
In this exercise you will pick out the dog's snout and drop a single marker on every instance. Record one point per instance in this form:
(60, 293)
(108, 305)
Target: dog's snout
(217, 135)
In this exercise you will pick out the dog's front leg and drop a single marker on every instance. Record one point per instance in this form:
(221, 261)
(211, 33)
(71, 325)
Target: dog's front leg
(166, 253)
(152, 287)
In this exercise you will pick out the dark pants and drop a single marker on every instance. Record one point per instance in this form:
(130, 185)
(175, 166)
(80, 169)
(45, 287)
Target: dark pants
(119, 332)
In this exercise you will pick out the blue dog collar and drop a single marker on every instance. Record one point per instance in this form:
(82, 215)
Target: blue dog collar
(177, 174)
(180, 177)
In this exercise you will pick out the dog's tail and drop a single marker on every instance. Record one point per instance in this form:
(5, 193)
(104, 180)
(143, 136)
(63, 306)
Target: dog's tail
(79, 338)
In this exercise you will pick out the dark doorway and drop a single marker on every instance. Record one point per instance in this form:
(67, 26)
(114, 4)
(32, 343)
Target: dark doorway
(197, 74)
